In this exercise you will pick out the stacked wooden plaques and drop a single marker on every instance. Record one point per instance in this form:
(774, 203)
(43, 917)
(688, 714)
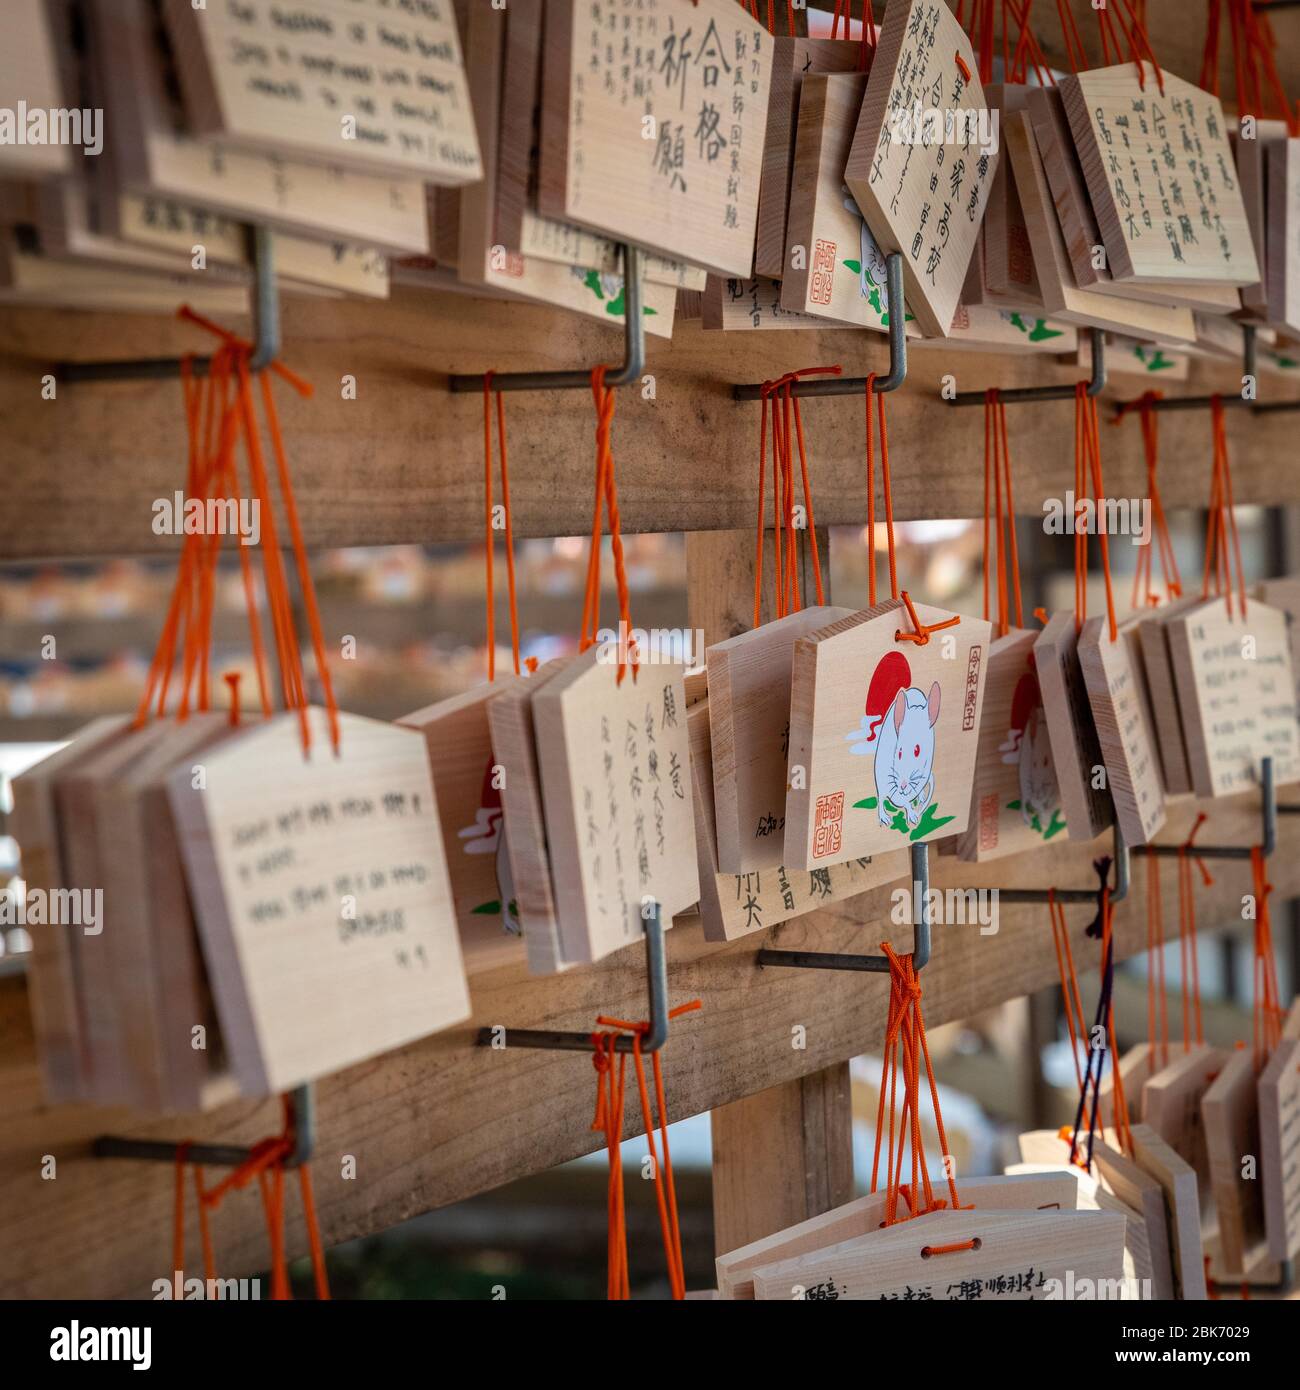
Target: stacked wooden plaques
(216, 912)
(597, 793)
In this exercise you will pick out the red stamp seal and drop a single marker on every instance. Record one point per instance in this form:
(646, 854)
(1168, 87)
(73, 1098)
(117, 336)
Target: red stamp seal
(827, 825)
(823, 272)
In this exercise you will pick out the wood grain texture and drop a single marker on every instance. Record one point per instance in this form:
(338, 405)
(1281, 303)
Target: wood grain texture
(781, 1157)
(1230, 1112)
(403, 462)
(1279, 1125)
(439, 1120)
(1177, 1180)
(1171, 1104)
(1138, 1190)
(1166, 714)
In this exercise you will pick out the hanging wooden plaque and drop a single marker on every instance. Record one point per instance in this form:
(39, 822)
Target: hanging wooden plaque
(482, 261)
(1076, 751)
(320, 887)
(140, 854)
(1136, 1065)
(1118, 700)
(1045, 1192)
(29, 79)
(699, 72)
(793, 59)
(347, 83)
(521, 96)
(923, 192)
(1018, 1255)
(1251, 156)
(1182, 1205)
(51, 975)
(836, 270)
(1061, 293)
(615, 768)
(1139, 1191)
(150, 150)
(1279, 1126)
(883, 734)
(1160, 173)
(514, 747)
(468, 781)
(1236, 691)
(1016, 799)
(734, 305)
(1171, 1104)
(978, 329)
(736, 904)
(1166, 716)
(1283, 261)
(749, 729)
(1284, 594)
(1230, 1111)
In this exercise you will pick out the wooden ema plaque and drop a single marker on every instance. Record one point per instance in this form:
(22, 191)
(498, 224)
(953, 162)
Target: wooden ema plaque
(514, 747)
(1113, 679)
(1251, 155)
(1230, 1110)
(1171, 1103)
(697, 76)
(29, 74)
(482, 260)
(923, 191)
(51, 977)
(1016, 800)
(468, 782)
(1135, 1066)
(1166, 714)
(1283, 254)
(734, 305)
(1161, 176)
(344, 81)
(1279, 1133)
(749, 679)
(883, 734)
(150, 152)
(836, 270)
(1177, 1180)
(736, 904)
(1236, 691)
(320, 887)
(615, 768)
(1284, 594)
(1020, 1256)
(978, 329)
(792, 60)
(1007, 262)
(1076, 751)
(1145, 1199)
(1047, 1192)
(1060, 292)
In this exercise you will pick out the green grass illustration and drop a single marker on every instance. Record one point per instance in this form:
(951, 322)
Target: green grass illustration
(928, 823)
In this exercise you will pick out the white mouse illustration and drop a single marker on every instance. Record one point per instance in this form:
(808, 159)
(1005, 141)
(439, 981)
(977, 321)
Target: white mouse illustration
(904, 765)
(1040, 795)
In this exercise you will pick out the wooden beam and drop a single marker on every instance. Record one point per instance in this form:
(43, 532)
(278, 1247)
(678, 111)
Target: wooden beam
(403, 461)
(442, 1119)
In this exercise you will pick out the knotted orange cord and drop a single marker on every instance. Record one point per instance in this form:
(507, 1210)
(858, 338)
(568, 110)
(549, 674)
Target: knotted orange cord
(1015, 63)
(906, 1028)
(1087, 466)
(1267, 1012)
(1187, 940)
(610, 1091)
(606, 493)
(778, 397)
(867, 38)
(1070, 997)
(1221, 528)
(489, 543)
(920, 632)
(1134, 33)
(997, 465)
(1157, 1040)
(265, 1161)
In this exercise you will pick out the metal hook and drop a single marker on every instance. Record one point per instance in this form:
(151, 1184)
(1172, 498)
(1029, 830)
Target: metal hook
(1096, 384)
(1118, 893)
(1268, 827)
(302, 1125)
(633, 349)
(266, 331)
(877, 965)
(1248, 356)
(656, 969)
(855, 385)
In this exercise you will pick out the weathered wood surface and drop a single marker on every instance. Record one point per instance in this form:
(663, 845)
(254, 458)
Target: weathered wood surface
(441, 1119)
(403, 462)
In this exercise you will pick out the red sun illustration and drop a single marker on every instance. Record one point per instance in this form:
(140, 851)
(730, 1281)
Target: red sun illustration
(891, 675)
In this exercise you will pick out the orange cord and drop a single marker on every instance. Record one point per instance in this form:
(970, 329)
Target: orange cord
(606, 493)
(1267, 1020)
(608, 1117)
